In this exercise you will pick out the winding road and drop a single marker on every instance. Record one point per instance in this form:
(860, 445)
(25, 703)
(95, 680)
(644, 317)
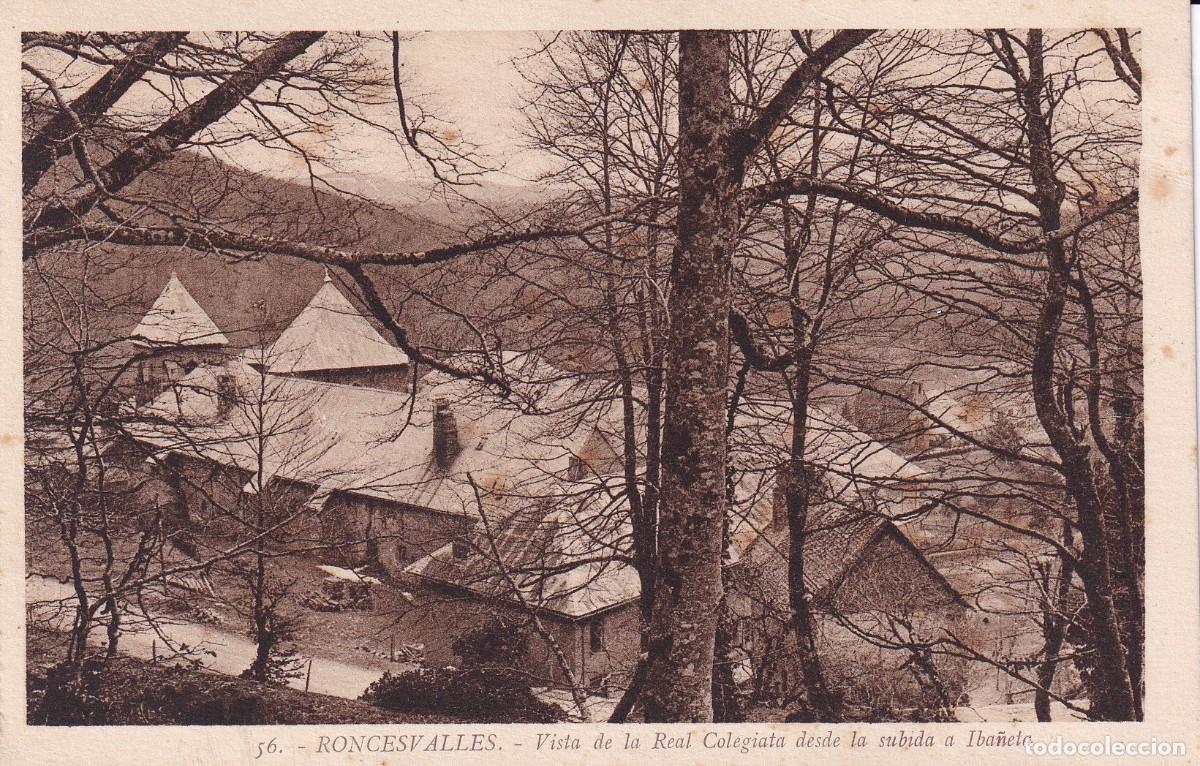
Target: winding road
(231, 653)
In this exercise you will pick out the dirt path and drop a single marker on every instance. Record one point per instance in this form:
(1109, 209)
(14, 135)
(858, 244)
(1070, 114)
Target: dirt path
(1018, 712)
(231, 652)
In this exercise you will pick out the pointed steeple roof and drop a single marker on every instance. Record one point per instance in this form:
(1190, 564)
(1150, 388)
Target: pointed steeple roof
(176, 318)
(330, 334)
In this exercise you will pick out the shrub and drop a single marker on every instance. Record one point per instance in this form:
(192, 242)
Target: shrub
(500, 643)
(487, 695)
(126, 691)
(488, 688)
(70, 696)
(276, 661)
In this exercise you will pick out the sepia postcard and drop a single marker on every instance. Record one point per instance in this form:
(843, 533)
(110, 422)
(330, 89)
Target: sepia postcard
(601, 382)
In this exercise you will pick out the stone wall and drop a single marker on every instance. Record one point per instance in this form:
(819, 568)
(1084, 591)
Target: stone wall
(438, 615)
(393, 534)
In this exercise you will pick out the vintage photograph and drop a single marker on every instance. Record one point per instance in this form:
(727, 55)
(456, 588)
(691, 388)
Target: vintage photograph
(587, 376)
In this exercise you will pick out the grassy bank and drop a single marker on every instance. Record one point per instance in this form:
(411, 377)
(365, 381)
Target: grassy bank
(129, 691)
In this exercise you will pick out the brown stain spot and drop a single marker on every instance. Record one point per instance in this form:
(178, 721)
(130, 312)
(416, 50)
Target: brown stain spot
(449, 135)
(1160, 187)
(1193, 453)
(1154, 120)
(1170, 150)
(975, 409)
(8, 440)
(1168, 351)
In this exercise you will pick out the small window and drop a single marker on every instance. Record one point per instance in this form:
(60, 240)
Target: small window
(402, 553)
(460, 550)
(597, 634)
(576, 469)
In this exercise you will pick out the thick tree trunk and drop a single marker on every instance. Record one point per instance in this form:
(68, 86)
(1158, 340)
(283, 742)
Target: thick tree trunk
(1115, 685)
(57, 135)
(161, 143)
(693, 505)
(798, 494)
(1054, 631)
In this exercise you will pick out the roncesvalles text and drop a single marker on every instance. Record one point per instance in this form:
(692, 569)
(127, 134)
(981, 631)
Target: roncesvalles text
(407, 743)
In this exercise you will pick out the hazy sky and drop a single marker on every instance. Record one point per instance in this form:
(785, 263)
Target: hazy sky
(464, 78)
(470, 73)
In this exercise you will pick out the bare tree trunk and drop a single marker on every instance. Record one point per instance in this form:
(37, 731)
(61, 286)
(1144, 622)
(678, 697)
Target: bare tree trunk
(633, 691)
(1054, 631)
(693, 506)
(159, 144)
(262, 638)
(727, 707)
(1119, 701)
(798, 493)
(57, 136)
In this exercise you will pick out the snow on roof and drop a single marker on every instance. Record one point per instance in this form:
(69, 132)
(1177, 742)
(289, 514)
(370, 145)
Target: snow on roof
(364, 441)
(312, 431)
(330, 334)
(764, 431)
(836, 540)
(343, 439)
(349, 575)
(559, 555)
(852, 462)
(175, 318)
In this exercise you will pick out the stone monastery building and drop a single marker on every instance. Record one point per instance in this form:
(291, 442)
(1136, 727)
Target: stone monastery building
(467, 506)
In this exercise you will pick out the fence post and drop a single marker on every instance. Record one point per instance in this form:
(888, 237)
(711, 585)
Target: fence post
(392, 647)
(154, 651)
(308, 676)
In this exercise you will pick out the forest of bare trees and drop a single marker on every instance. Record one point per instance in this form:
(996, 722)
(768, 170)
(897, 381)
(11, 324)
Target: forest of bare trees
(925, 241)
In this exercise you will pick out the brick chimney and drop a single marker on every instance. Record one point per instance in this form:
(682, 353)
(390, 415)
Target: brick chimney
(445, 434)
(226, 394)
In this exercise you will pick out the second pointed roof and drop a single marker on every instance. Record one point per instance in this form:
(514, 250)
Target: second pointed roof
(176, 318)
(330, 334)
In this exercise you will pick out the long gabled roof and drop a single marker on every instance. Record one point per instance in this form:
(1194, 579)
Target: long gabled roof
(836, 541)
(565, 553)
(330, 334)
(176, 319)
(369, 442)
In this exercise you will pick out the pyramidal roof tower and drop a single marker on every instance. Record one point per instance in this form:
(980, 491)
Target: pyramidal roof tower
(330, 334)
(175, 319)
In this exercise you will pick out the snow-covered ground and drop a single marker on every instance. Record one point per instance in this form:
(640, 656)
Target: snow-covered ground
(231, 652)
(1016, 712)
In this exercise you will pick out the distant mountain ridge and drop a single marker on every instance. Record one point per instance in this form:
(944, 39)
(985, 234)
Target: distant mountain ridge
(252, 299)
